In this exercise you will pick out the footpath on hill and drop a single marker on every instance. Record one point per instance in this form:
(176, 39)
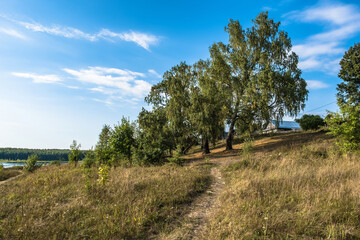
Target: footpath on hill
(193, 225)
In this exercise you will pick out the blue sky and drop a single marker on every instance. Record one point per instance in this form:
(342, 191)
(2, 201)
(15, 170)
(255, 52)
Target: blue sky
(69, 67)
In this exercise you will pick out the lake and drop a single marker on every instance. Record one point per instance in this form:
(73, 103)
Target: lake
(12, 164)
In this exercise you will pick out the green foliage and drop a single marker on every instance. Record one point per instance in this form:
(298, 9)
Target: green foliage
(173, 94)
(258, 73)
(349, 89)
(102, 149)
(75, 152)
(89, 159)
(1, 169)
(103, 174)
(121, 141)
(24, 153)
(311, 122)
(176, 158)
(207, 110)
(30, 164)
(146, 153)
(56, 163)
(154, 130)
(345, 125)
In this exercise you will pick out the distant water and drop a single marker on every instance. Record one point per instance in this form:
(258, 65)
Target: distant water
(12, 164)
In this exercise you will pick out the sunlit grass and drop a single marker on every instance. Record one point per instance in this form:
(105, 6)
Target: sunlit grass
(62, 202)
(301, 191)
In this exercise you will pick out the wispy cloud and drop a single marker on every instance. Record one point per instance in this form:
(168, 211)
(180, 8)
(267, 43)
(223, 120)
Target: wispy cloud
(12, 32)
(36, 78)
(322, 51)
(334, 13)
(315, 84)
(154, 73)
(118, 85)
(112, 81)
(142, 39)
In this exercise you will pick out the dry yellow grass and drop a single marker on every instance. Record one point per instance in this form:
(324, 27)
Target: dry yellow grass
(291, 187)
(62, 202)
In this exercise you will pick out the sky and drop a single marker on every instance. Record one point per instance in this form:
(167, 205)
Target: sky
(69, 67)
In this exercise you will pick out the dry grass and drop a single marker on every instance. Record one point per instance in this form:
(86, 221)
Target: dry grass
(291, 187)
(6, 173)
(64, 202)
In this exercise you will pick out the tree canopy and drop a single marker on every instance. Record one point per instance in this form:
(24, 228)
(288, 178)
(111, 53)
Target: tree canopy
(258, 73)
(346, 123)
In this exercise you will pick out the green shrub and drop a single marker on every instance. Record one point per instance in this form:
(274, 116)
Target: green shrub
(75, 152)
(146, 152)
(89, 159)
(56, 163)
(311, 122)
(345, 125)
(103, 174)
(121, 141)
(30, 164)
(176, 158)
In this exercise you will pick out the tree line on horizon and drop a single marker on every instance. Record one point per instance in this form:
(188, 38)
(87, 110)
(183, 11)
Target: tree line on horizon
(43, 154)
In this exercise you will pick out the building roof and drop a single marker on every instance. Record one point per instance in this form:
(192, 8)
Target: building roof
(286, 124)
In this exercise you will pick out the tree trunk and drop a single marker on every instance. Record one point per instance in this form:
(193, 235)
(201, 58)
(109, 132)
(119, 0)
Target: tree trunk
(229, 136)
(206, 149)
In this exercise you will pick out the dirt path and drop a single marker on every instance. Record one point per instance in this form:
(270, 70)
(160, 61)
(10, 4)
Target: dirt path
(11, 179)
(201, 210)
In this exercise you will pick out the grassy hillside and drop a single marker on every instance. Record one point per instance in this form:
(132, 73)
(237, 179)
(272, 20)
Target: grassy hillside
(62, 202)
(290, 187)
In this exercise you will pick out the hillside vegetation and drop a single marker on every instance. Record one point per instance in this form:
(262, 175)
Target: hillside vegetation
(289, 186)
(293, 187)
(66, 202)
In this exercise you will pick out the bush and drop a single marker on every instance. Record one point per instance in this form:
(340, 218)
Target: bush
(346, 127)
(56, 163)
(89, 159)
(311, 122)
(122, 140)
(30, 164)
(176, 158)
(146, 153)
(75, 152)
(346, 124)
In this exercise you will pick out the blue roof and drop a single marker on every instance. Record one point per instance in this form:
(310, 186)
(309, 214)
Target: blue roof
(286, 124)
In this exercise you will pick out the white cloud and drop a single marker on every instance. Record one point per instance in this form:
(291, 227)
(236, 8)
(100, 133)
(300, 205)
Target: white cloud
(154, 73)
(338, 14)
(39, 78)
(341, 33)
(315, 49)
(321, 51)
(310, 63)
(142, 39)
(112, 81)
(12, 32)
(315, 84)
(73, 87)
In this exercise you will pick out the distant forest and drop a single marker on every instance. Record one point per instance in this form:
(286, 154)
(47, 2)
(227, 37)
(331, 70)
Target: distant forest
(43, 154)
